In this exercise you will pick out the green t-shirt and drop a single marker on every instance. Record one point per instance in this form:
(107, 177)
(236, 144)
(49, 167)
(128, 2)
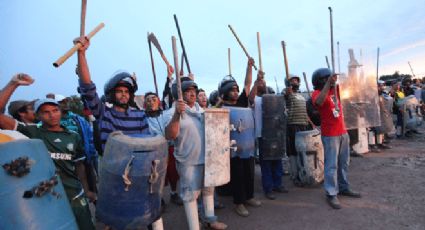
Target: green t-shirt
(65, 148)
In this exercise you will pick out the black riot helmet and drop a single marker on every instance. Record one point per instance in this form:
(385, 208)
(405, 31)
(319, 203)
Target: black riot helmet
(226, 85)
(186, 83)
(120, 78)
(213, 98)
(319, 77)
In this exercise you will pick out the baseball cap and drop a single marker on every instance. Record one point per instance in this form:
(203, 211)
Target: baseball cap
(41, 102)
(14, 106)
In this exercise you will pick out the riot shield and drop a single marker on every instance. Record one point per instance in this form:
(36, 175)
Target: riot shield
(217, 147)
(385, 106)
(412, 118)
(243, 132)
(274, 127)
(359, 97)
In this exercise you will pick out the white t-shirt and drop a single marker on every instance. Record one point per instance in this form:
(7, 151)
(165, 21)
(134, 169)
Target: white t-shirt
(258, 115)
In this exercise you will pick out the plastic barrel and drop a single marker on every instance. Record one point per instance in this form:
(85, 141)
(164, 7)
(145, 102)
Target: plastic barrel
(141, 204)
(45, 212)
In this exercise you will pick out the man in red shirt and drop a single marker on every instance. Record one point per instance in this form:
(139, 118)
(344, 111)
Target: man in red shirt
(334, 136)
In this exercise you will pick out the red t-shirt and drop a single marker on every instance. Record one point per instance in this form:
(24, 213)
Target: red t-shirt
(330, 125)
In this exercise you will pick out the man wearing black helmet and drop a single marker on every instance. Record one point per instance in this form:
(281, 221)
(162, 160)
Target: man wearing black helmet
(185, 127)
(334, 137)
(119, 91)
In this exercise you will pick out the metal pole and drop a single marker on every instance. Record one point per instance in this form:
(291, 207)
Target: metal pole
(411, 69)
(182, 44)
(327, 62)
(377, 65)
(229, 61)
(339, 63)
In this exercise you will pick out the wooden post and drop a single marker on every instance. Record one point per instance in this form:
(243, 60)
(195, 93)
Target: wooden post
(229, 61)
(240, 44)
(259, 51)
(77, 46)
(285, 60)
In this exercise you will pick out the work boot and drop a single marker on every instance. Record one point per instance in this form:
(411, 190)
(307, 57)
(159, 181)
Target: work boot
(350, 193)
(384, 146)
(253, 202)
(241, 210)
(333, 202)
(281, 189)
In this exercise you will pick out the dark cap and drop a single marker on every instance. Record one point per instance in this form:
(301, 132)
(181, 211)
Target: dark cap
(15, 106)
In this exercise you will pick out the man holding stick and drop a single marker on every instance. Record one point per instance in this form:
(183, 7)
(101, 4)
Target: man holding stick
(186, 129)
(119, 91)
(334, 136)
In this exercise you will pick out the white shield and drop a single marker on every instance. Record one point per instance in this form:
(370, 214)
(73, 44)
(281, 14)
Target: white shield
(217, 147)
(359, 97)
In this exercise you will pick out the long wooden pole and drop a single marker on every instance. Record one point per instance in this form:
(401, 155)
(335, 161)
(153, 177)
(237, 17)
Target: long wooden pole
(176, 68)
(229, 60)
(240, 44)
(83, 18)
(77, 46)
(339, 63)
(260, 60)
(285, 59)
(182, 44)
(306, 84)
(327, 62)
(153, 65)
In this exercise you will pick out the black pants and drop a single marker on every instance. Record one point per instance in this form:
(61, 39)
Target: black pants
(242, 179)
(291, 131)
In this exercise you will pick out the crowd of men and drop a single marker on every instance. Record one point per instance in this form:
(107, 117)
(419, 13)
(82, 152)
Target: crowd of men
(180, 122)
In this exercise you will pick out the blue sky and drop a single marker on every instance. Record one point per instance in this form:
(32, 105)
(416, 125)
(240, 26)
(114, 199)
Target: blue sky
(36, 33)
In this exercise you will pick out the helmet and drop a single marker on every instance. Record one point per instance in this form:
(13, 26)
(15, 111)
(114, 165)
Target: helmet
(213, 98)
(319, 77)
(226, 85)
(406, 80)
(120, 78)
(270, 90)
(186, 83)
(288, 80)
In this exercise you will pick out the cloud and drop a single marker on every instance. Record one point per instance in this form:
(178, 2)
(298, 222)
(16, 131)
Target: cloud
(405, 48)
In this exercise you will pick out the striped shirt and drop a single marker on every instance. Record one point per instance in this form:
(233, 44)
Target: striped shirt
(132, 121)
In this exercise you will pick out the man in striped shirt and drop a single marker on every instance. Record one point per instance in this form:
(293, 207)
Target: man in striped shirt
(119, 91)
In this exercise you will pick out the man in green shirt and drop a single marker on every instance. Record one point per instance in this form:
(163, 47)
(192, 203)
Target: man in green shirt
(65, 149)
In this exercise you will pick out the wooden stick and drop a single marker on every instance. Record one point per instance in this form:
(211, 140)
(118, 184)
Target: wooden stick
(377, 65)
(77, 46)
(259, 51)
(327, 62)
(83, 18)
(176, 68)
(152, 38)
(229, 61)
(152, 64)
(182, 44)
(182, 64)
(306, 84)
(240, 43)
(285, 59)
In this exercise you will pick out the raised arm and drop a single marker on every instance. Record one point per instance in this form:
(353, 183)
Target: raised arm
(17, 80)
(83, 68)
(324, 92)
(248, 76)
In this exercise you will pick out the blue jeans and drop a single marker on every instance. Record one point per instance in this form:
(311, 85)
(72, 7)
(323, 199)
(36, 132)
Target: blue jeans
(271, 174)
(337, 157)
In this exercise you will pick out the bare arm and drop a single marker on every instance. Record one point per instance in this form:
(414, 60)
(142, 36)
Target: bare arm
(83, 68)
(16, 81)
(172, 129)
(254, 90)
(80, 170)
(7, 122)
(248, 76)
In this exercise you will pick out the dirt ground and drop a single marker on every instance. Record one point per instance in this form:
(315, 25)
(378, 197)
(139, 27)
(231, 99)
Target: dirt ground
(392, 184)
